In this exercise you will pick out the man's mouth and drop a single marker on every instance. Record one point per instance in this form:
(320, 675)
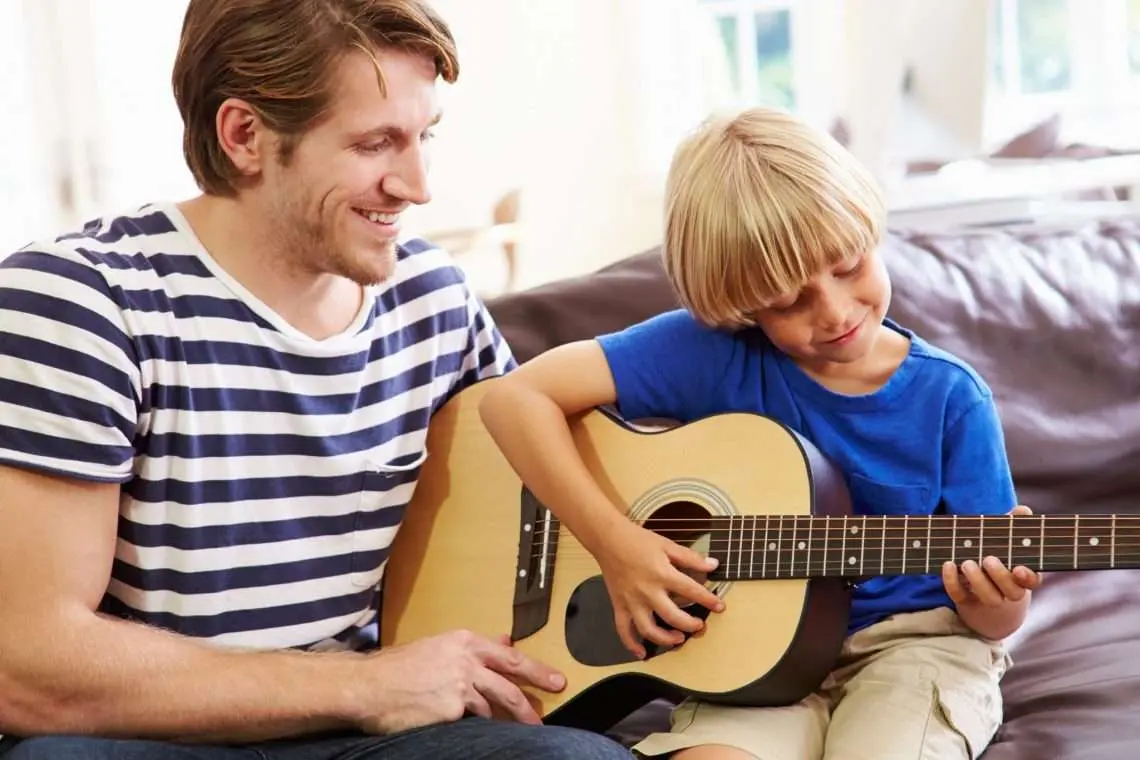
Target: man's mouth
(378, 217)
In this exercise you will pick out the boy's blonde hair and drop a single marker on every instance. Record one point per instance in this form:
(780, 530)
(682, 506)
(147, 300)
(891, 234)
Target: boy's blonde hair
(757, 204)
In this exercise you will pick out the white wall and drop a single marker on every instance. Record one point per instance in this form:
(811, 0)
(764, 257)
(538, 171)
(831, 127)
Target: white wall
(578, 103)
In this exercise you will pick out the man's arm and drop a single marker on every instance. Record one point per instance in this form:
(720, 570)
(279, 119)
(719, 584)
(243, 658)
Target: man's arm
(66, 669)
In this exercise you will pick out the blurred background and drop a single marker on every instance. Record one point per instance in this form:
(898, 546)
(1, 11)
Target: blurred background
(552, 156)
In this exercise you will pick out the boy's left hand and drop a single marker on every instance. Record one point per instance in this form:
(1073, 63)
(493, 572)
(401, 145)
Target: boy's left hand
(991, 583)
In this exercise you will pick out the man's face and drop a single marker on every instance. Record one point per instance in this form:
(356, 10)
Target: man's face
(336, 201)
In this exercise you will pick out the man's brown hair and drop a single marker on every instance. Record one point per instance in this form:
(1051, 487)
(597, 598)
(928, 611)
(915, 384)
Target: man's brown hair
(281, 56)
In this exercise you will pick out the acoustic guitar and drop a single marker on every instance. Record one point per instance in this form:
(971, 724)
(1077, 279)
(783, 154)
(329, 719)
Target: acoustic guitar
(478, 551)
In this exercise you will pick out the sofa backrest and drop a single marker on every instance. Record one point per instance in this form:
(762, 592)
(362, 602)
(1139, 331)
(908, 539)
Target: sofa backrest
(1050, 316)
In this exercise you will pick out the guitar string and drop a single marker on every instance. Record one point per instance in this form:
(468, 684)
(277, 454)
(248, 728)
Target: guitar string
(834, 530)
(1119, 550)
(569, 546)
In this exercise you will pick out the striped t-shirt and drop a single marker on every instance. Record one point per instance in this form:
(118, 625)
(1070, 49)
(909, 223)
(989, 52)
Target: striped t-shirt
(264, 473)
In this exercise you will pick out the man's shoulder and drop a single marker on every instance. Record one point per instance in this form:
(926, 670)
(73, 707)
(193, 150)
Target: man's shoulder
(115, 248)
(425, 270)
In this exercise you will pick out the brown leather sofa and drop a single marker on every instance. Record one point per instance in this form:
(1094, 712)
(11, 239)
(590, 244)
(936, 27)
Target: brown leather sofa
(1051, 317)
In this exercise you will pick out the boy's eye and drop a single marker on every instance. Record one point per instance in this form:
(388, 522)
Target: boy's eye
(850, 267)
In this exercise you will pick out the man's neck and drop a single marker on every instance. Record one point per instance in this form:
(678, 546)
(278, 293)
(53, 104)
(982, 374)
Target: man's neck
(318, 305)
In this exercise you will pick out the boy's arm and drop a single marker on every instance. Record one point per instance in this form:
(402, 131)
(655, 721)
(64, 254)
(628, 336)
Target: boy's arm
(526, 414)
(991, 599)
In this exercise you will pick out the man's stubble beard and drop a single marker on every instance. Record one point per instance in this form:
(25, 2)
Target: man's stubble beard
(315, 248)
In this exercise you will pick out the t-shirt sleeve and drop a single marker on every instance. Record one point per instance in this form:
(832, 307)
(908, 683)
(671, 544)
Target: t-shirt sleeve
(669, 366)
(976, 473)
(69, 377)
(487, 353)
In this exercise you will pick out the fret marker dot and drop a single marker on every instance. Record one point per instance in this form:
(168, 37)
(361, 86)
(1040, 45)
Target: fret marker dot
(967, 543)
(1094, 540)
(917, 544)
(801, 546)
(850, 560)
(854, 529)
(772, 546)
(1027, 542)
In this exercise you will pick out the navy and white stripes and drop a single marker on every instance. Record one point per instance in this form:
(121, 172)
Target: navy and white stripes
(264, 473)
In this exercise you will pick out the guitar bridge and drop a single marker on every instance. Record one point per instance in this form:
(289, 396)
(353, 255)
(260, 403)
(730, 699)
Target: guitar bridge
(534, 576)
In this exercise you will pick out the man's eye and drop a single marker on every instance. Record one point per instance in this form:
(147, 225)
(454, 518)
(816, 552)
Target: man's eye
(375, 147)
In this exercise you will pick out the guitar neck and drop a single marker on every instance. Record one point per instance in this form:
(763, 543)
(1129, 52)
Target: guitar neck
(788, 546)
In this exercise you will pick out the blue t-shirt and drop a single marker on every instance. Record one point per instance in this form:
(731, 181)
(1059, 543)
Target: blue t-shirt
(928, 441)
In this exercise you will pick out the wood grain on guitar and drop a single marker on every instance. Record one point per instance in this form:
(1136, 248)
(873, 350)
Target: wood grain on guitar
(478, 551)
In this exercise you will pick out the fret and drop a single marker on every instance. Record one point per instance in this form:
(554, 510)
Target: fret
(1025, 543)
(798, 544)
(877, 537)
(1041, 545)
(906, 525)
(764, 549)
(929, 527)
(808, 570)
(736, 531)
(1095, 541)
(862, 545)
(1060, 550)
(752, 544)
(1009, 557)
(779, 542)
(826, 548)
(1112, 543)
(953, 538)
(1076, 545)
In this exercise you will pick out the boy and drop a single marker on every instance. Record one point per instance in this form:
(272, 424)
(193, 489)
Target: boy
(770, 243)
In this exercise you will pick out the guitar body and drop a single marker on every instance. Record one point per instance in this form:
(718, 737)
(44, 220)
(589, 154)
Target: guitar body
(477, 551)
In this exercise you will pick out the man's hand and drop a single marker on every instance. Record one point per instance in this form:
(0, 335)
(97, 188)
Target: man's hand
(439, 679)
(991, 598)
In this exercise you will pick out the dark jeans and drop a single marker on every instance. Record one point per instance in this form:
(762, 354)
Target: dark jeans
(469, 739)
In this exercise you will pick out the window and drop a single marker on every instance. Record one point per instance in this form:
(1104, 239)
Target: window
(758, 40)
(1075, 58)
(1033, 49)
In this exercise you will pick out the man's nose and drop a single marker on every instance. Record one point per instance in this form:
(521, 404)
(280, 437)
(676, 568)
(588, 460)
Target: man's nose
(408, 179)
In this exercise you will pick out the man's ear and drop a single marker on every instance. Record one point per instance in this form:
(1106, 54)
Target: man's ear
(244, 137)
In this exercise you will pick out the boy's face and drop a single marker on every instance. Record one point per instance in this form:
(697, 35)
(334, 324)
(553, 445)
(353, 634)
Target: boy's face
(835, 317)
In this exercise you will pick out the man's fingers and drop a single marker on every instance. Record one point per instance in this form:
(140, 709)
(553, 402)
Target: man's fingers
(1021, 510)
(502, 693)
(512, 663)
(477, 705)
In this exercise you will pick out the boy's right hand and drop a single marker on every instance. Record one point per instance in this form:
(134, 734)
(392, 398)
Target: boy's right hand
(643, 573)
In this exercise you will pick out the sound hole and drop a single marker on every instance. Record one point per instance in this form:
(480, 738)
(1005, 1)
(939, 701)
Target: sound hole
(590, 633)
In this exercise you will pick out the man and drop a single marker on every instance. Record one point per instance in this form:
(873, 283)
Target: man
(212, 415)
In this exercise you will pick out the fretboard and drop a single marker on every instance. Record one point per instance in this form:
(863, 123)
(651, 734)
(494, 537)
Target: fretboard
(775, 546)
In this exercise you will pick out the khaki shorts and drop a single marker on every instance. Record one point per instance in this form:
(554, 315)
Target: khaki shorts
(917, 686)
